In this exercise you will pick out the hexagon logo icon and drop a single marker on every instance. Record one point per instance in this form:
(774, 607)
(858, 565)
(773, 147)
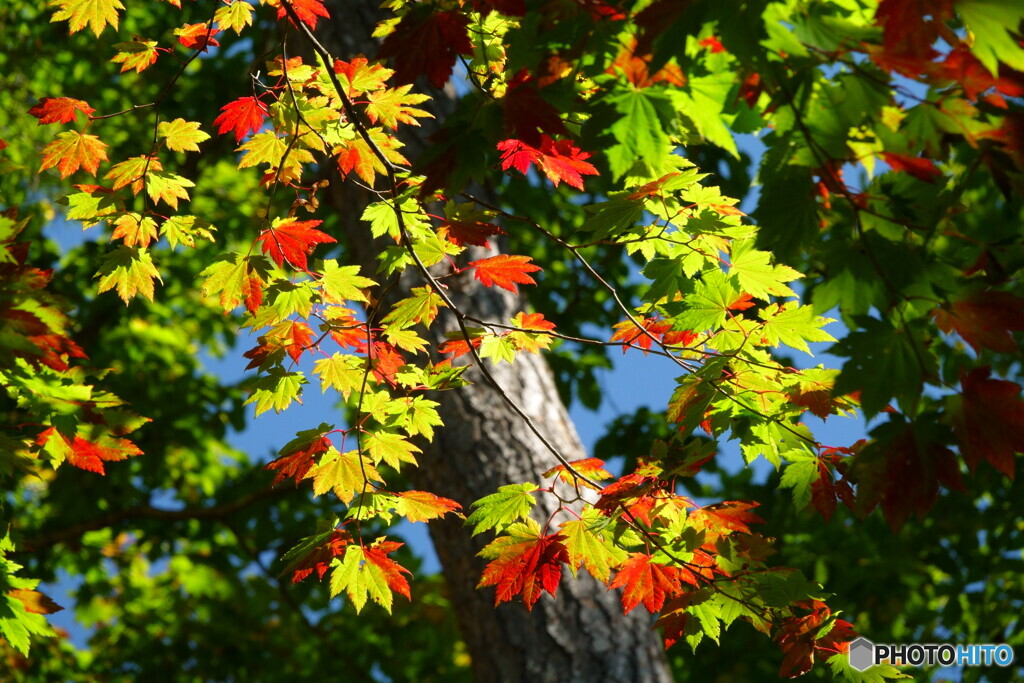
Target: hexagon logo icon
(862, 654)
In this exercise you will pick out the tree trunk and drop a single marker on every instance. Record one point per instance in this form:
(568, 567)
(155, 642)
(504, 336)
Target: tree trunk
(582, 634)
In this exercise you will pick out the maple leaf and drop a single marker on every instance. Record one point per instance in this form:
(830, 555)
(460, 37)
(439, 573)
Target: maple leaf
(343, 283)
(592, 468)
(167, 187)
(293, 241)
(510, 8)
(645, 582)
(130, 270)
(299, 456)
(85, 454)
(34, 601)
(306, 10)
(197, 36)
(527, 113)
(586, 545)
(392, 106)
(96, 14)
(236, 15)
(726, 517)
(343, 373)
(560, 161)
(987, 419)
(138, 54)
(427, 42)
(245, 115)
(346, 474)
(918, 167)
(135, 230)
(421, 506)
(367, 572)
(470, 232)
(632, 337)
(182, 136)
(902, 469)
(59, 109)
(501, 509)
(984, 318)
(505, 271)
(315, 554)
(523, 563)
(816, 635)
(73, 150)
(132, 171)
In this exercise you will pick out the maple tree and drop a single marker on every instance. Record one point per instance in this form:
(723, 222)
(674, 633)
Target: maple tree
(574, 165)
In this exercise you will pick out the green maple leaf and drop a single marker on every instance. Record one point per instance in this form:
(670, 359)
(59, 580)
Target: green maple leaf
(342, 372)
(756, 275)
(227, 276)
(991, 23)
(498, 348)
(499, 510)
(92, 204)
(347, 474)
(367, 573)
(793, 325)
(799, 476)
(705, 308)
(185, 229)
(130, 271)
(277, 390)
(167, 187)
(183, 136)
(343, 283)
(640, 130)
(588, 546)
(421, 307)
(390, 447)
(96, 14)
(236, 16)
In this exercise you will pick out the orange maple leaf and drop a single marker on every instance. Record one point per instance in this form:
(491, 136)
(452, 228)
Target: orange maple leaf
(646, 582)
(73, 150)
(505, 271)
(59, 109)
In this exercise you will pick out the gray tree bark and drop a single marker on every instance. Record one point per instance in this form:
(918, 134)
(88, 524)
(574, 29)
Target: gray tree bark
(580, 635)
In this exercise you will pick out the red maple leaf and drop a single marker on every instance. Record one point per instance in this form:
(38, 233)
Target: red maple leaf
(632, 337)
(560, 161)
(59, 109)
(592, 468)
(988, 421)
(713, 44)
(319, 559)
(962, 66)
(245, 115)
(984, 317)
(505, 271)
(197, 36)
(527, 567)
(633, 492)
(919, 167)
(298, 462)
(306, 10)
(910, 27)
(646, 582)
(90, 455)
(527, 112)
(462, 233)
(902, 469)
(427, 43)
(458, 346)
(293, 241)
(392, 571)
(385, 361)
(797, 636)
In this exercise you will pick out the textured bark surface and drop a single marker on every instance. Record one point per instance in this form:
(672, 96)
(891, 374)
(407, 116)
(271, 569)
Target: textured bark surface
(581, 635)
